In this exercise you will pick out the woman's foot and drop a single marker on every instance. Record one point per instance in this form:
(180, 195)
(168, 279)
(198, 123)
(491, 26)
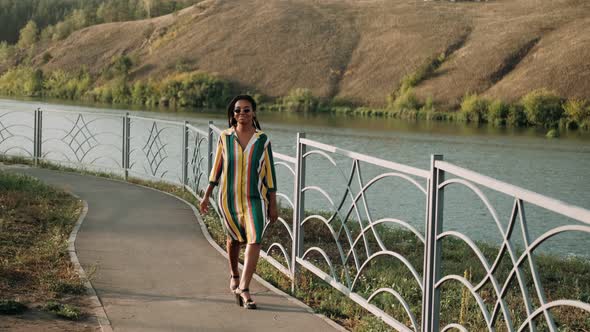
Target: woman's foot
(234, 281)
(244, 299)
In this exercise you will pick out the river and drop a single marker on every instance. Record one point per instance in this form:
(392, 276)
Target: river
(557, 168)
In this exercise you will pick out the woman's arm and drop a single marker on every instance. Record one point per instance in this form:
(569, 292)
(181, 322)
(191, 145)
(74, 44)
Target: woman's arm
(273, 212)
(216, 171)
(205, 202)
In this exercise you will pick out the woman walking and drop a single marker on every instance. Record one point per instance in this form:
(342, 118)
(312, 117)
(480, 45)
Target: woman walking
(244, 170)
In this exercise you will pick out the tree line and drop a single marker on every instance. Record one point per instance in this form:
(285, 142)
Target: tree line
(56, 19)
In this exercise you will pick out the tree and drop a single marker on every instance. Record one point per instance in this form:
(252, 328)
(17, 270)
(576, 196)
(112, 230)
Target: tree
(147, 5)
(6, 51)
(28, 35)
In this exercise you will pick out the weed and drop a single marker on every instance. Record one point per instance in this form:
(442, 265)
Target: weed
(66, 311)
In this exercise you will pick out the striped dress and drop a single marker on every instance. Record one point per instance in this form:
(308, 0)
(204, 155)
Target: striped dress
(245, 176)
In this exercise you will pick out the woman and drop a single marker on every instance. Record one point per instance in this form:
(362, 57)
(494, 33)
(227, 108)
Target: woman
(244, 169)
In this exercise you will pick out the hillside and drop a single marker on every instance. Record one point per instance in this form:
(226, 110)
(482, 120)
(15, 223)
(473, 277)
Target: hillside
(356, 51)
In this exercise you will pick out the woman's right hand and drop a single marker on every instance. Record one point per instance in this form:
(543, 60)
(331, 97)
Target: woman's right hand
(204, 205)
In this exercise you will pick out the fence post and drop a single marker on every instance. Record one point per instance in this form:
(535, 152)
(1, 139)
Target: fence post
(209, 149)
(35, 134)
(126, 144)
(39, 141)
(184, 154)
(432, 249)
(298, 209)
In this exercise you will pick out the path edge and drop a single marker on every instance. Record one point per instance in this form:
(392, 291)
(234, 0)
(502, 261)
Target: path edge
(99, 312)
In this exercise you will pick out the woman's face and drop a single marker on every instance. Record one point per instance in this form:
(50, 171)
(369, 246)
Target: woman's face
(243, 112)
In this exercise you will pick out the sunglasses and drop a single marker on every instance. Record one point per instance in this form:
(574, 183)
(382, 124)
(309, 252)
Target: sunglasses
(245, 110)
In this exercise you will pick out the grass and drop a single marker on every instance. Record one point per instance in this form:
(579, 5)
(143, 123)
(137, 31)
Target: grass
(35, 223)
(66, 311)
(562, 278)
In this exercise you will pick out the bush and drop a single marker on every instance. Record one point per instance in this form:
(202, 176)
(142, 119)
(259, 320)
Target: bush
(474, 108)
(22, 81)
(6, 51)
(299, 100)
(498, 112)
(428, 105)
(577, 110)
(46, 57)
(67, 85)
(194, 90)
(119, 67)
(404, 101)
(542, 108)
(517, 116)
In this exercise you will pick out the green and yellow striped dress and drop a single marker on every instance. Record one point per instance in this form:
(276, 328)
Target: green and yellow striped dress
(245, 176)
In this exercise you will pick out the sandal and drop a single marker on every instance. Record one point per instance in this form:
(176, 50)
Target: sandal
(242, 302)
(233, 288)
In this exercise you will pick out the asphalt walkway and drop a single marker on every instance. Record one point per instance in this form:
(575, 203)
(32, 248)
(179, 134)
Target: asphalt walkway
(155, 271)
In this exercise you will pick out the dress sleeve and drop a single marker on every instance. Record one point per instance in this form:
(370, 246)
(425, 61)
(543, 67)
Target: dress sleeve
(217, 166)
(270, 178)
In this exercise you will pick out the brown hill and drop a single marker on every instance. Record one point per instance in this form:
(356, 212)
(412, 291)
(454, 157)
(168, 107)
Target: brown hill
(355, 50)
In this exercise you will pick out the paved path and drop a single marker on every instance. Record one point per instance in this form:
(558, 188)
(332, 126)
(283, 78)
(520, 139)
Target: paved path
(155, 271)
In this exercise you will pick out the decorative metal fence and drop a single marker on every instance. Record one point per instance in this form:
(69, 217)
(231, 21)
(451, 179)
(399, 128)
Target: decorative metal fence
(378, 259)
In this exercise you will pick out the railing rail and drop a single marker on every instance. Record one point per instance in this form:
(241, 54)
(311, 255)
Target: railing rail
(353, 239)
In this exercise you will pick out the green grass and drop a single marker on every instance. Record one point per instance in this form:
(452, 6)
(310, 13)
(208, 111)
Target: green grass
(65, 311)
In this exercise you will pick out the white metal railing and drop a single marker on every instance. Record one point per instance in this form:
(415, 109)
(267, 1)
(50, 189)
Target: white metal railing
(352, 239)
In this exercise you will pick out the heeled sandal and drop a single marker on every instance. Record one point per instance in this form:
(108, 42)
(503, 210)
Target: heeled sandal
(248, 304)
(233, 288)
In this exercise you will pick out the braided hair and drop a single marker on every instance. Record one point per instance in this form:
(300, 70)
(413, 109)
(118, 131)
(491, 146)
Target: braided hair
(230, 111)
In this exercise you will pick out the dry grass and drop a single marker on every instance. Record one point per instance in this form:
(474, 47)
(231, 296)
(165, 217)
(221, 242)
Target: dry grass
(357, 51)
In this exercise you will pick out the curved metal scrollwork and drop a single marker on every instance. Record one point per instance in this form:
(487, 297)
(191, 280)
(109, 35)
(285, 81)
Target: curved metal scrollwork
(358, 245)
(473, 181)
(14, 140)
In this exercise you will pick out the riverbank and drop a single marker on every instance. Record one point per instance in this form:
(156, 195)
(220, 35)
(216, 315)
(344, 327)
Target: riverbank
(197, 90)
(39, 286)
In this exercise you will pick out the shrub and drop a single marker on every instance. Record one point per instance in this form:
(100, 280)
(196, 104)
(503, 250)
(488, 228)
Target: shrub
(194, 90)
(577, 110)
(119, 67)
(46, 57)
(23, 81)
(552, 133)
(299, 100)
(6, 51)
(428, 105)
(404, 101)
(542, 108)
(517, 116)
(498, 112)
(67, 85)
(474, 108)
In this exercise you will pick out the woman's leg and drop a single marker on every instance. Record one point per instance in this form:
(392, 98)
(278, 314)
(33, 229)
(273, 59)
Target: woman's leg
(233, 251)
(250, 261)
